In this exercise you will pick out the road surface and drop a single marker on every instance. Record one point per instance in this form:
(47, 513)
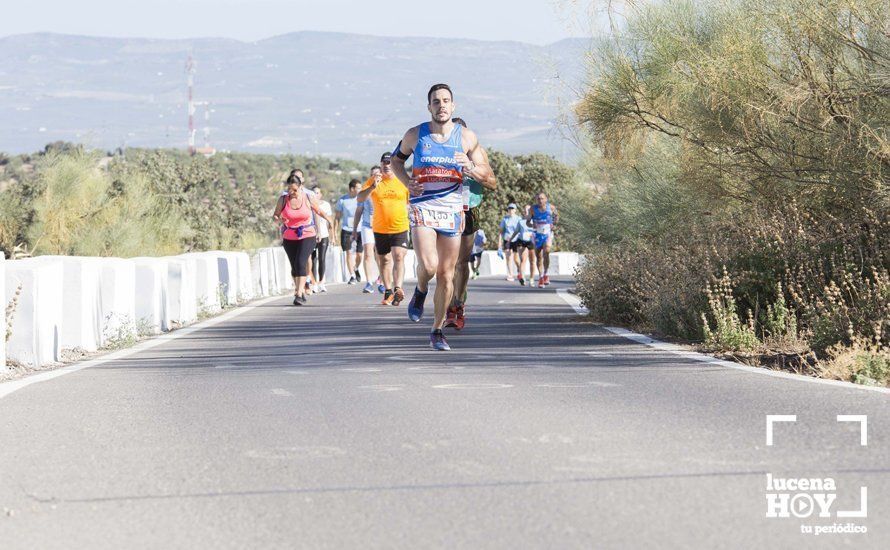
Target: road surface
(333, 426)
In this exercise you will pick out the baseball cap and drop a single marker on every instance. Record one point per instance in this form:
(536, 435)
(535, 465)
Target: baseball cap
(387, 157)
(511, 205)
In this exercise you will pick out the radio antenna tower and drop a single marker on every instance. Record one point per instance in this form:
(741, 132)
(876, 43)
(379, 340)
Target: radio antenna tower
(190, 69)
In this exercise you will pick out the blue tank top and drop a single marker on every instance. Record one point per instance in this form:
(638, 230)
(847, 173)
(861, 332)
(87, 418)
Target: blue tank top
(435, 167)
(542, 220)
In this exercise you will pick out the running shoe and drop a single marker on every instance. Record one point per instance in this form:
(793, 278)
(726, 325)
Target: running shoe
(415, 306)
(397, 296)
(369, 288)
(387, 298)
(510, 278)
(546, 279)
(540, 282)
(438, 341)
(304, 299)
(381, 289)
(476, 271)
(459, 319)
(352, 281)
(315, 289)
(451, 317)
(322, 287)
(358, 276)
(297, 301)
(522, 281)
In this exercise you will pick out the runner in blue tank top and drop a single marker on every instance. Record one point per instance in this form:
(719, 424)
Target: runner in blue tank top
(444, 153)
(544, 216)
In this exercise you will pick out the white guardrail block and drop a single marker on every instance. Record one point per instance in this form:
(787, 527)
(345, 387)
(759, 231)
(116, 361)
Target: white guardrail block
(151, 296)
(36, 322)
(81, 301)
(117, 297)
(207, 281)
(3, 310)
(258, 276)
(282, 268)
(182, 293)
(333, 270)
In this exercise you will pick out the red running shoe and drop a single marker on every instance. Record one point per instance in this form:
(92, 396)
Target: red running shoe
(451, 317)
(459, 319)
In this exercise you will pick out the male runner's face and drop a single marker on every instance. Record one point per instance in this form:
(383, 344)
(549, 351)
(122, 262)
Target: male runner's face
(353, 191)
(386, 166)
(441, 106)
(542, 199)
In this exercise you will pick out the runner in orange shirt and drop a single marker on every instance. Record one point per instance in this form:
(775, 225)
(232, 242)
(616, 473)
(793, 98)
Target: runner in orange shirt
(390, 224)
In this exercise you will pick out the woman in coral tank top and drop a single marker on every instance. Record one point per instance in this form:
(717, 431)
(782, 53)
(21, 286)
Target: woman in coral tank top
(298, 231)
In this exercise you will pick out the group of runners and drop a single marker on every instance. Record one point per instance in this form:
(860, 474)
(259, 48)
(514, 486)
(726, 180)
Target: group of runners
(434, 208)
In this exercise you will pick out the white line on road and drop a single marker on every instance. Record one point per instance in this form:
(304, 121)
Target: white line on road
(575, 302)
(282, 392)
(480, 386)
(362, 369)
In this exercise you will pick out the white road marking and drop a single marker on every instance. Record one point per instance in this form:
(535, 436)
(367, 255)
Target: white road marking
(383, 387)
(296, 372)
(7, 388)
(598, 354)
(226, 367)
(437, 367)
(282, 392)
(362, 369)
(575, 302)
(479, 386)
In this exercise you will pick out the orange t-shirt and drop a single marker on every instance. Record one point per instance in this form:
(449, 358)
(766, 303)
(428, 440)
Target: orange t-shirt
(390, 200)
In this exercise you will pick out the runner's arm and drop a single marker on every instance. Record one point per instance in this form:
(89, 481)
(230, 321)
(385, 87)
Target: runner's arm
(366, 190)
(357, 218)
(555, 214)
(477, 158)
(279, 206)
(316, 207)
(403, 151)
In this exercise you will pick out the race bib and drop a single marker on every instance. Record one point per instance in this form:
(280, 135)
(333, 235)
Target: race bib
(437, 218)
(543, 229)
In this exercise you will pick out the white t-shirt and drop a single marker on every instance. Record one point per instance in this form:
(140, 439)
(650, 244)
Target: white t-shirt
(320, 223)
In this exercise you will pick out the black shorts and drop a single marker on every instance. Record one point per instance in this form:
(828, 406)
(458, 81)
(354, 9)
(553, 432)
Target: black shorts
(346, 240)
(507, 245)
(517, 246)
(474, 257)
(471, 221)
(383, 242)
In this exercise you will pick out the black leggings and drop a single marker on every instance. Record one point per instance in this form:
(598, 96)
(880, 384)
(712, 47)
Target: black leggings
(318, 256)
(298, 253)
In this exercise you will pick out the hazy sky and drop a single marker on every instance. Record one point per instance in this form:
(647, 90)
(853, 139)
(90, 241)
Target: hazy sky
(535, 21)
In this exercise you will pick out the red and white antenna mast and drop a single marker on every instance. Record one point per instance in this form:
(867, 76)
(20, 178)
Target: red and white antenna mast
(190, 69)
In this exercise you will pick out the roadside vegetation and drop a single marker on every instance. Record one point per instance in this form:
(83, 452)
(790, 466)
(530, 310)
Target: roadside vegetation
(742, 155)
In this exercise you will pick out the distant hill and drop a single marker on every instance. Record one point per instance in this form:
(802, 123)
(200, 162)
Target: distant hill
(341, 95)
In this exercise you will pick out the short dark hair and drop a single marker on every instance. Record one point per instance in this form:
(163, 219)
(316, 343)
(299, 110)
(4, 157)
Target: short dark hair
(458, 120)
(437, 87)
(292, 177)
(353, 182)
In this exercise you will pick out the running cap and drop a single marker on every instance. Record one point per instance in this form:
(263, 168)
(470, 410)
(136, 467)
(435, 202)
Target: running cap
(511, 205)
(386, 157)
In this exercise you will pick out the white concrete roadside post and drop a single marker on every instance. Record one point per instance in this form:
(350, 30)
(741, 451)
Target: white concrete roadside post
(36, 322)
(151, 294)
(3, 316)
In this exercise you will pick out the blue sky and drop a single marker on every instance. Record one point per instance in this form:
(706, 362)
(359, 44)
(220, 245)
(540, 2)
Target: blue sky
(534, 21)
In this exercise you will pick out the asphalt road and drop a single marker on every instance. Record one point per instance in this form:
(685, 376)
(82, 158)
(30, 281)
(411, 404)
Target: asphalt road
(334, 426)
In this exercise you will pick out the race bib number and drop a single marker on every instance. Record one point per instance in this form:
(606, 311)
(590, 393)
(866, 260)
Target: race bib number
(437, 218)
(543, 229)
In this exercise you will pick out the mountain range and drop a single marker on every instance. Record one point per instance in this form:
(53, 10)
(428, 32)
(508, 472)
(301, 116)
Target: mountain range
(339, 95)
